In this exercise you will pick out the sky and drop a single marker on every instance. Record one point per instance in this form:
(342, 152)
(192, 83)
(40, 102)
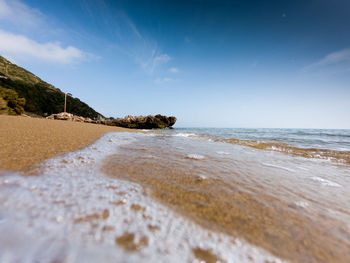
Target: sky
(254, 64)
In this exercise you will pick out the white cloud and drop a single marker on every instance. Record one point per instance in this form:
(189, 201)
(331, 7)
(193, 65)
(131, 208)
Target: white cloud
(163, 80)
(174, 70)
(334, 58)
(20, 46)
(31, 21)
(20, 14)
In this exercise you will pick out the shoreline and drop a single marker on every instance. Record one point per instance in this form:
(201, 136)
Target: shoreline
(106, 218)
(27, 141)
(138, 175)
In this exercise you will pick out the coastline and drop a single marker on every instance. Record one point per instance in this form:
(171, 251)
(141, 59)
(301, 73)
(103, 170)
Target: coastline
(28, 141)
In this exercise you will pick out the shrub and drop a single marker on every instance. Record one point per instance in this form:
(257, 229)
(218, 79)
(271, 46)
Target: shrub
(11, 101)
(3, 105)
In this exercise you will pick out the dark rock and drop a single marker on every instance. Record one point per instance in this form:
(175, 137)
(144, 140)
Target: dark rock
(143, 122)
(132, 122)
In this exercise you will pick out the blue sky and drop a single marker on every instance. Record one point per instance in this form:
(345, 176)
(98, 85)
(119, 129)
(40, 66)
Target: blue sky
(209, 63)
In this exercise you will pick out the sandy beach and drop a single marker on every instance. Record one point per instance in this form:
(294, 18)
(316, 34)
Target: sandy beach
(28, 141)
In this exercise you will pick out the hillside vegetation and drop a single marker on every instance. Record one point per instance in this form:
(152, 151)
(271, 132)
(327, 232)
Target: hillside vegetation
(10, 102)
(40, 97)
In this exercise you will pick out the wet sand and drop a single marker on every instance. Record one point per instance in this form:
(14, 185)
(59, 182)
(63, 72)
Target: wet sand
(28, 141)
(236, 208)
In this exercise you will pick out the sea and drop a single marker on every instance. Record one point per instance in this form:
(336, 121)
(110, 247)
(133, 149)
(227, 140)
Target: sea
(184, 195)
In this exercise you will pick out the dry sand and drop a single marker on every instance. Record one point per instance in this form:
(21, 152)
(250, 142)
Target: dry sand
(26, 141)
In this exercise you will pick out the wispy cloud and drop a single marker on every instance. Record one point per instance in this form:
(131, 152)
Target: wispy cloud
(332, 59)
(150, 60)
(127, 36)
(174, 70)
(163, 80)
(20, 46)
(20, 14)
(131, 25)
(159, 59)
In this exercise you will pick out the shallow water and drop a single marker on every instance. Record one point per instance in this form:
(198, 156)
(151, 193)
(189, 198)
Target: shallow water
(170, 197)
(68, 211)
(296, 208)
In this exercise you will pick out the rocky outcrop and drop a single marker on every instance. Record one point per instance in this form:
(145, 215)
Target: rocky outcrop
(143, 122)
(131, 122)
(65, 116)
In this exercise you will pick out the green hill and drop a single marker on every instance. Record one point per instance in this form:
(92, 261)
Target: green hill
(41, 98)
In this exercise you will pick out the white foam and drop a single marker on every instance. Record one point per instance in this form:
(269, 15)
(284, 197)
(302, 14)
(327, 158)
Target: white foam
(195, 156)
(278, 166)
(185, 135)
(222, 153)
(42, 217)
(302, 204)
(202, 177)
(325, 182)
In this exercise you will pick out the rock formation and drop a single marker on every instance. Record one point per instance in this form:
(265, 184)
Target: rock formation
(132, 122)
(65, 116)
(143, 122)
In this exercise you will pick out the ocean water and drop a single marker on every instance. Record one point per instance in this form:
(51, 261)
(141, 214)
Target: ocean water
(184, 195)
(303, 138)
(318, 143)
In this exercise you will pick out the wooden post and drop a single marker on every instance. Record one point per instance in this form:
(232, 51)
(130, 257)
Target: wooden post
(65, 102)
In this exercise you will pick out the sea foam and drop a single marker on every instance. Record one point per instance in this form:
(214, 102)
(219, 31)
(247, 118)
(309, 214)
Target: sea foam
(195, 156)
(185, 135)
(325, 182)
